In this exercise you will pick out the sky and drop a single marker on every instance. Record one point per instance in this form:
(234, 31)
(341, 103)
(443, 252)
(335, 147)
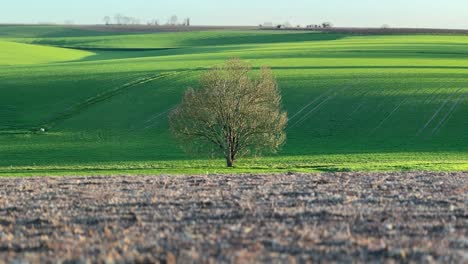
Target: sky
(346, 13)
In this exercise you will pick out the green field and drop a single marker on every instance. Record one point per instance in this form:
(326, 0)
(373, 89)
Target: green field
(355, 103)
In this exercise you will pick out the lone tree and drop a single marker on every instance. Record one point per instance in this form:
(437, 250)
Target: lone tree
(236, 112)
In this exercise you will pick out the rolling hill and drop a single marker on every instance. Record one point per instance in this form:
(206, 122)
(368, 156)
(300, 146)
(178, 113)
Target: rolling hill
(25, 54)
(355, 102)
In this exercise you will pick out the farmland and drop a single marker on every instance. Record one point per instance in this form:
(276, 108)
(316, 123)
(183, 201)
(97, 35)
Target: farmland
(287, 218)
(355, 102)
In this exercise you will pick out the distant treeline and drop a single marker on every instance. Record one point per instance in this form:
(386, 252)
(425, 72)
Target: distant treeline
(287, 25)
(381, 30)
(120, 19)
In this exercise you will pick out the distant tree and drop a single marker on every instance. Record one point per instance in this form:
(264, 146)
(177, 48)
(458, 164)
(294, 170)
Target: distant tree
(125, 20)
(134, 21)
(385, 26)
(154, 22)
(107, 20)
(327, 25)
(173, 20)
(118, 19)
(233, 114)
(186, 22)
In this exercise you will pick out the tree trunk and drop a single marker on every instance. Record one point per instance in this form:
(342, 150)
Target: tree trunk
(229, 162)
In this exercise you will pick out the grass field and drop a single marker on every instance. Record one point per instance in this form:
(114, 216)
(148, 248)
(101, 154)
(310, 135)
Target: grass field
(355, 102)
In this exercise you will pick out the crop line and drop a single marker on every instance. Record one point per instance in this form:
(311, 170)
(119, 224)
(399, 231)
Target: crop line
(361, 103)
(312, 110)
(304, 117)
(420, 90)
(435, 113)
(29, 127)
(310, 103)
(388, 116)
(155, 117)
(103, 97)
(148, 122)
(432, 96)
(360, 92)
(447, 116)
(387, 95)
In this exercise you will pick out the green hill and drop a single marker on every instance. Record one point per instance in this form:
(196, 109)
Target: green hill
(354, 102)
(19, 53)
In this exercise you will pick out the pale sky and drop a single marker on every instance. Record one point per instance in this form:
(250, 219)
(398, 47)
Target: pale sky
(347, 13)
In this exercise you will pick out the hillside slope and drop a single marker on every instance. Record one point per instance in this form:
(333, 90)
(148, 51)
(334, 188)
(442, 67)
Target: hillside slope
(21, 54)
(354, 102)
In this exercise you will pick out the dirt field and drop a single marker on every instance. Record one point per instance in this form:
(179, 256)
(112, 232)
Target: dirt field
(344, 217)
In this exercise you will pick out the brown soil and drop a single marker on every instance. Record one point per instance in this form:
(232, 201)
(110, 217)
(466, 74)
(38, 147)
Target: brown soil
(342, 217)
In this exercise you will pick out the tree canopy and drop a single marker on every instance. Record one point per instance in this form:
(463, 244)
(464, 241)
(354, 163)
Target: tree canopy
(235, 112)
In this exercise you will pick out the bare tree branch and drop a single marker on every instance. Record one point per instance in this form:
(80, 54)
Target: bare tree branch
(232, 114)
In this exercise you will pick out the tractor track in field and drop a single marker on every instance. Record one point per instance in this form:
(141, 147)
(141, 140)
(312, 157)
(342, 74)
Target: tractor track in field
(448, 114)
(395, 109)
(307, 115)
(436, 113)
(358, 93)
(329, 95)
(388, 116)
(151, 121)
(361, 103)
(101, 97)
(309, 104)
